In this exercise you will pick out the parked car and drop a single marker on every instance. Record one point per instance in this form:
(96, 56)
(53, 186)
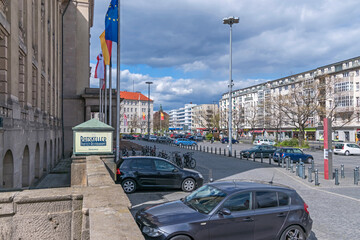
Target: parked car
(226, 140)
(149, 172)
(164, 139)
(229, 210)
(128, 136)
(347, 148)
(264, 141)
(293, 154)
(257, 150)
(184, 141)
(198, 138)
(152, 138)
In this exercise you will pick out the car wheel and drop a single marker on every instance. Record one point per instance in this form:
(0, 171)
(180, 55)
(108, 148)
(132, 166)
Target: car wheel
(347, 153)
(180, 237)
(293, 232)
(193, 144)
(129, 185)
(308, 160)
(188, 185)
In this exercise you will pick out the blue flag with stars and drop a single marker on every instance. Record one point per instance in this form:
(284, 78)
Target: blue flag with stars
(111, 22)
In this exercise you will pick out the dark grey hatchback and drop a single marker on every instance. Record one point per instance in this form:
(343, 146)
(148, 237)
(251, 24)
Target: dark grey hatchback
(154, 172)
(229, 210)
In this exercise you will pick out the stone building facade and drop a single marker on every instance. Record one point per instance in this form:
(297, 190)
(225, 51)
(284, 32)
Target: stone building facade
(32, 48)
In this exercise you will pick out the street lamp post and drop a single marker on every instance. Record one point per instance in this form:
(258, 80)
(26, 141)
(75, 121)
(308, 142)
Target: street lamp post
(230, 21)
(149, 83)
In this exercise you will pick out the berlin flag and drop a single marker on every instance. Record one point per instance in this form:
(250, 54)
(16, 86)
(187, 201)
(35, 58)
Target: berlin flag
(99, 70)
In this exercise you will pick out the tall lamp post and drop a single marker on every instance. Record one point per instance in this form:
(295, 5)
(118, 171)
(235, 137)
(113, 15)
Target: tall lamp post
(149, 83)
(230, 21)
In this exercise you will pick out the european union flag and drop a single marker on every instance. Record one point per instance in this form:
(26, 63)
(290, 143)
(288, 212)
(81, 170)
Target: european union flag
(111, 22)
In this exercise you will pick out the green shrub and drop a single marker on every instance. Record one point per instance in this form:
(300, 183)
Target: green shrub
(208, 136)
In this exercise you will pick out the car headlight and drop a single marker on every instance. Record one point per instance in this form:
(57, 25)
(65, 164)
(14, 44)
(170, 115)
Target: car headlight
(201, 176)
(151, 232)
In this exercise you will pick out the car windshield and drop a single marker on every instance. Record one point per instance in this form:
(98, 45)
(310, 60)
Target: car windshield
(255, 147)
(205, 199)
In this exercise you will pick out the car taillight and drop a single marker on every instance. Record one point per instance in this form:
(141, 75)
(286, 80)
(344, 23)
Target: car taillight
(343, 147)
(282, 155)
(306, 208)
(259, 141)
(118, 172)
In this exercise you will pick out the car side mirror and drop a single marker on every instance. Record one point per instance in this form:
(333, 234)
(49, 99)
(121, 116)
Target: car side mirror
(175, 170)
(225, 212)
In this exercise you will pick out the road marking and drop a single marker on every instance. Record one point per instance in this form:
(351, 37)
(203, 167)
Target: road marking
(321, 190)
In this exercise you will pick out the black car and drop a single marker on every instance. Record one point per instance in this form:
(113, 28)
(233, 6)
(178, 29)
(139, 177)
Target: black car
(256, 151)
(128, 136)
(163, 139)
(229, 210)
(226, 140)
(150, 172)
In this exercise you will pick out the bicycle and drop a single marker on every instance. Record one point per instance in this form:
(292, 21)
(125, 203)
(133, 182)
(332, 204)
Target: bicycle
(189, 161)
(176, 158)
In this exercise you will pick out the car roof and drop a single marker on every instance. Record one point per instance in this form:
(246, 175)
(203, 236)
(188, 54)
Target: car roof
(231, 186)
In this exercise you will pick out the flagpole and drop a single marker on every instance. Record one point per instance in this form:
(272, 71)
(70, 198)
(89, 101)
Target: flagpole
(118, 89)
(105, 97)
(100, 110)
(110, 94)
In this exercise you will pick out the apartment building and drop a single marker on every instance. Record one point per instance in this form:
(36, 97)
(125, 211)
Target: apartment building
(181, 119)
(335, 88)
(204, 117)
(33, 90)
(134, 112)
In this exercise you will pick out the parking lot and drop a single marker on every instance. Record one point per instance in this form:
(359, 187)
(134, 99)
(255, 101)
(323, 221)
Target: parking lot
(334, 209)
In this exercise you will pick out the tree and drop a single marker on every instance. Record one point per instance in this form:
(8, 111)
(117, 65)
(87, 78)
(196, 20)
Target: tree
(161, 125)
(251, 117)
(300, 104)
(134, 123)
(238, 118)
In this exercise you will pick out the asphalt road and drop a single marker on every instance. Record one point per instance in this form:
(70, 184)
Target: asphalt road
(334, 209)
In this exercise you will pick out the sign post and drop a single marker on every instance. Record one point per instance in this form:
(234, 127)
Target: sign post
(328, 164)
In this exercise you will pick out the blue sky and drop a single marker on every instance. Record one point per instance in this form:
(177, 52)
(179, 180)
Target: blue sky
(183, 46)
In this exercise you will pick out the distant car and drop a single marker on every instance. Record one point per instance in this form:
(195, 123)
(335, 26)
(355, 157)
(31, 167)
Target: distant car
(256, 151)
(164, 139)
(198, 138)
(229, 210)
(293, 154)
(152, 138)
(226, 140)
(128, 136)
(347, 149)
(264, 141)
(185, 142)
(153, 172)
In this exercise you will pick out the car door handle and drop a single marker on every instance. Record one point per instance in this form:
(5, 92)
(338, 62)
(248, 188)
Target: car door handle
(281, 215)
(248, 219)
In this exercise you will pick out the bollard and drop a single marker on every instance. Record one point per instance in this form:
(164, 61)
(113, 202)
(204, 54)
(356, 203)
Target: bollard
(253, 157)
(297, 169)
(207, 149)
(224, 151)
(292, 166)
(282, 162)
(235, 153)
(310, 174)
(262, 157)
(197, 147)
(342, 169)
(240, 155)
(312, 165)
(247, 156)
(317, 177)
(303, 176)
(356, 175)
(270, 158)
(211, 150)
(215, 150)
(336, 176)
(288, 164)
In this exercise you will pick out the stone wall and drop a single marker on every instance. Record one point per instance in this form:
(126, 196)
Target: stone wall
(95, 209)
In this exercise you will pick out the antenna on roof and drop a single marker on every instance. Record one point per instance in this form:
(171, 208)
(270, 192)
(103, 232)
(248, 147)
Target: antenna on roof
(271, 181)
